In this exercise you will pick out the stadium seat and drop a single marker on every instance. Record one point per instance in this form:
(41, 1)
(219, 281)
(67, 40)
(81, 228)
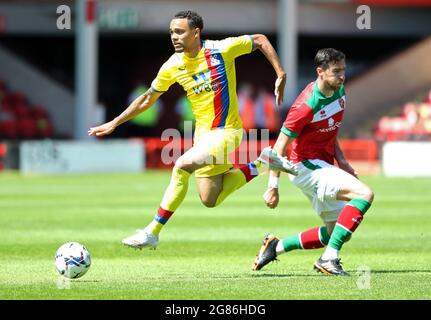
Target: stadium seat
(8, 129)
(2, 90)
(3, 152)
(21, 111)
(19, 98)
(38, 112)
(27, 128)
(19, 120)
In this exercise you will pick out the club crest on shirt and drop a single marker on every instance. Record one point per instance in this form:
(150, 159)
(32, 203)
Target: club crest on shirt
(214, 60)
(341, 102)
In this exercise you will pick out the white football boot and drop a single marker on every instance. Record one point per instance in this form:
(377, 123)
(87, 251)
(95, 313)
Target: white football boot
(275, 162)
(143, 238)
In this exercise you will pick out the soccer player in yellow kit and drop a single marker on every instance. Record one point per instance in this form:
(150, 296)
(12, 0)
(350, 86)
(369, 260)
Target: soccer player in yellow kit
(206, 71)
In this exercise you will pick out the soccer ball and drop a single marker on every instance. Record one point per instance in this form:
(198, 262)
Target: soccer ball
(72, 260)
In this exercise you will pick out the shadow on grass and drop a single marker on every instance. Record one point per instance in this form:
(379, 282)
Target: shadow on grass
(352, 273)
(287, 275)
(400, 271)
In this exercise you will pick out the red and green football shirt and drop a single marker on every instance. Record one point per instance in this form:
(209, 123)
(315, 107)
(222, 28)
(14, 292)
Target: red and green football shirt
(314, 120)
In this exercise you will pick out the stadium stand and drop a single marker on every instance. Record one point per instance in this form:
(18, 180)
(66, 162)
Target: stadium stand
(414, 123)
(3, 152)
(397, 80)
(21, 120)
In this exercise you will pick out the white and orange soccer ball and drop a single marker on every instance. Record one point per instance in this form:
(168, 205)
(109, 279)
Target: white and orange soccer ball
(72, 260)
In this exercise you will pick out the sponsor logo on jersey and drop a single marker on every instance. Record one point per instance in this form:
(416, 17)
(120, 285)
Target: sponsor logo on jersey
(206, 87)
(203, 83)
(332, 127)
(202, 77)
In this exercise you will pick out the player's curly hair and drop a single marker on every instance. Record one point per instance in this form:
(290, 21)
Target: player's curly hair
(327, 56)
(194, 19)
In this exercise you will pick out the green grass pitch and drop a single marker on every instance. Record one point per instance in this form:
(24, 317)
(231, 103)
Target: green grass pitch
(204, 253)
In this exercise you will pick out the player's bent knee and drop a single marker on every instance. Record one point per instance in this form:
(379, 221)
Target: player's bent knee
(365, 193)
(368, 194)
(182, 164)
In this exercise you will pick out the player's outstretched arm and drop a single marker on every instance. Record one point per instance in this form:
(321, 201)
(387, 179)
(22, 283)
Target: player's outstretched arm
(262, 43)
(139, 105)
(271, 195)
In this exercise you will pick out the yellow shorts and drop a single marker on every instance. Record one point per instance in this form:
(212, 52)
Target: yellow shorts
(219, 143)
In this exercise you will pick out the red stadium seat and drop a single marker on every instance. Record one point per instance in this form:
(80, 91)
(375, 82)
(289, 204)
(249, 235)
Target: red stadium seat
(19, 98)
(38, 112)
(3, 150)
(19, 120)
(21, 111)
(8, 129)
(6, 102)
(3, 89)
(27, 128)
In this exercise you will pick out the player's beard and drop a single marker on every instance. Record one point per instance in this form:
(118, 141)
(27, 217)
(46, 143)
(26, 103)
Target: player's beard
(335, 85)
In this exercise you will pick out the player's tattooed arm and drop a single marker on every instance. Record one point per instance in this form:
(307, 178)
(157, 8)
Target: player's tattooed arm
(140, 104)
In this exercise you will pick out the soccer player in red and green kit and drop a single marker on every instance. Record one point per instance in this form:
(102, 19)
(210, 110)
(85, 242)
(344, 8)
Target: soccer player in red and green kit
(336, 193)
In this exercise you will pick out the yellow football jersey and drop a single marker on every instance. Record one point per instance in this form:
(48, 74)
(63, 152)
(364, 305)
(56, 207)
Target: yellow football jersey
(209, 80)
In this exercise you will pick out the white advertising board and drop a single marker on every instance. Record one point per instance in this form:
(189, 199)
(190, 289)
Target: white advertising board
(65, 157)
(406, 159)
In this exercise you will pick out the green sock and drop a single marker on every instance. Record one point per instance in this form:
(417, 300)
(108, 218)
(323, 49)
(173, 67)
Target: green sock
(348, 220)
(314, 238)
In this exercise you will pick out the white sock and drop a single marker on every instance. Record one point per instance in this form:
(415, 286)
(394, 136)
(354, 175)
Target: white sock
(279, 248)
(330, 253)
